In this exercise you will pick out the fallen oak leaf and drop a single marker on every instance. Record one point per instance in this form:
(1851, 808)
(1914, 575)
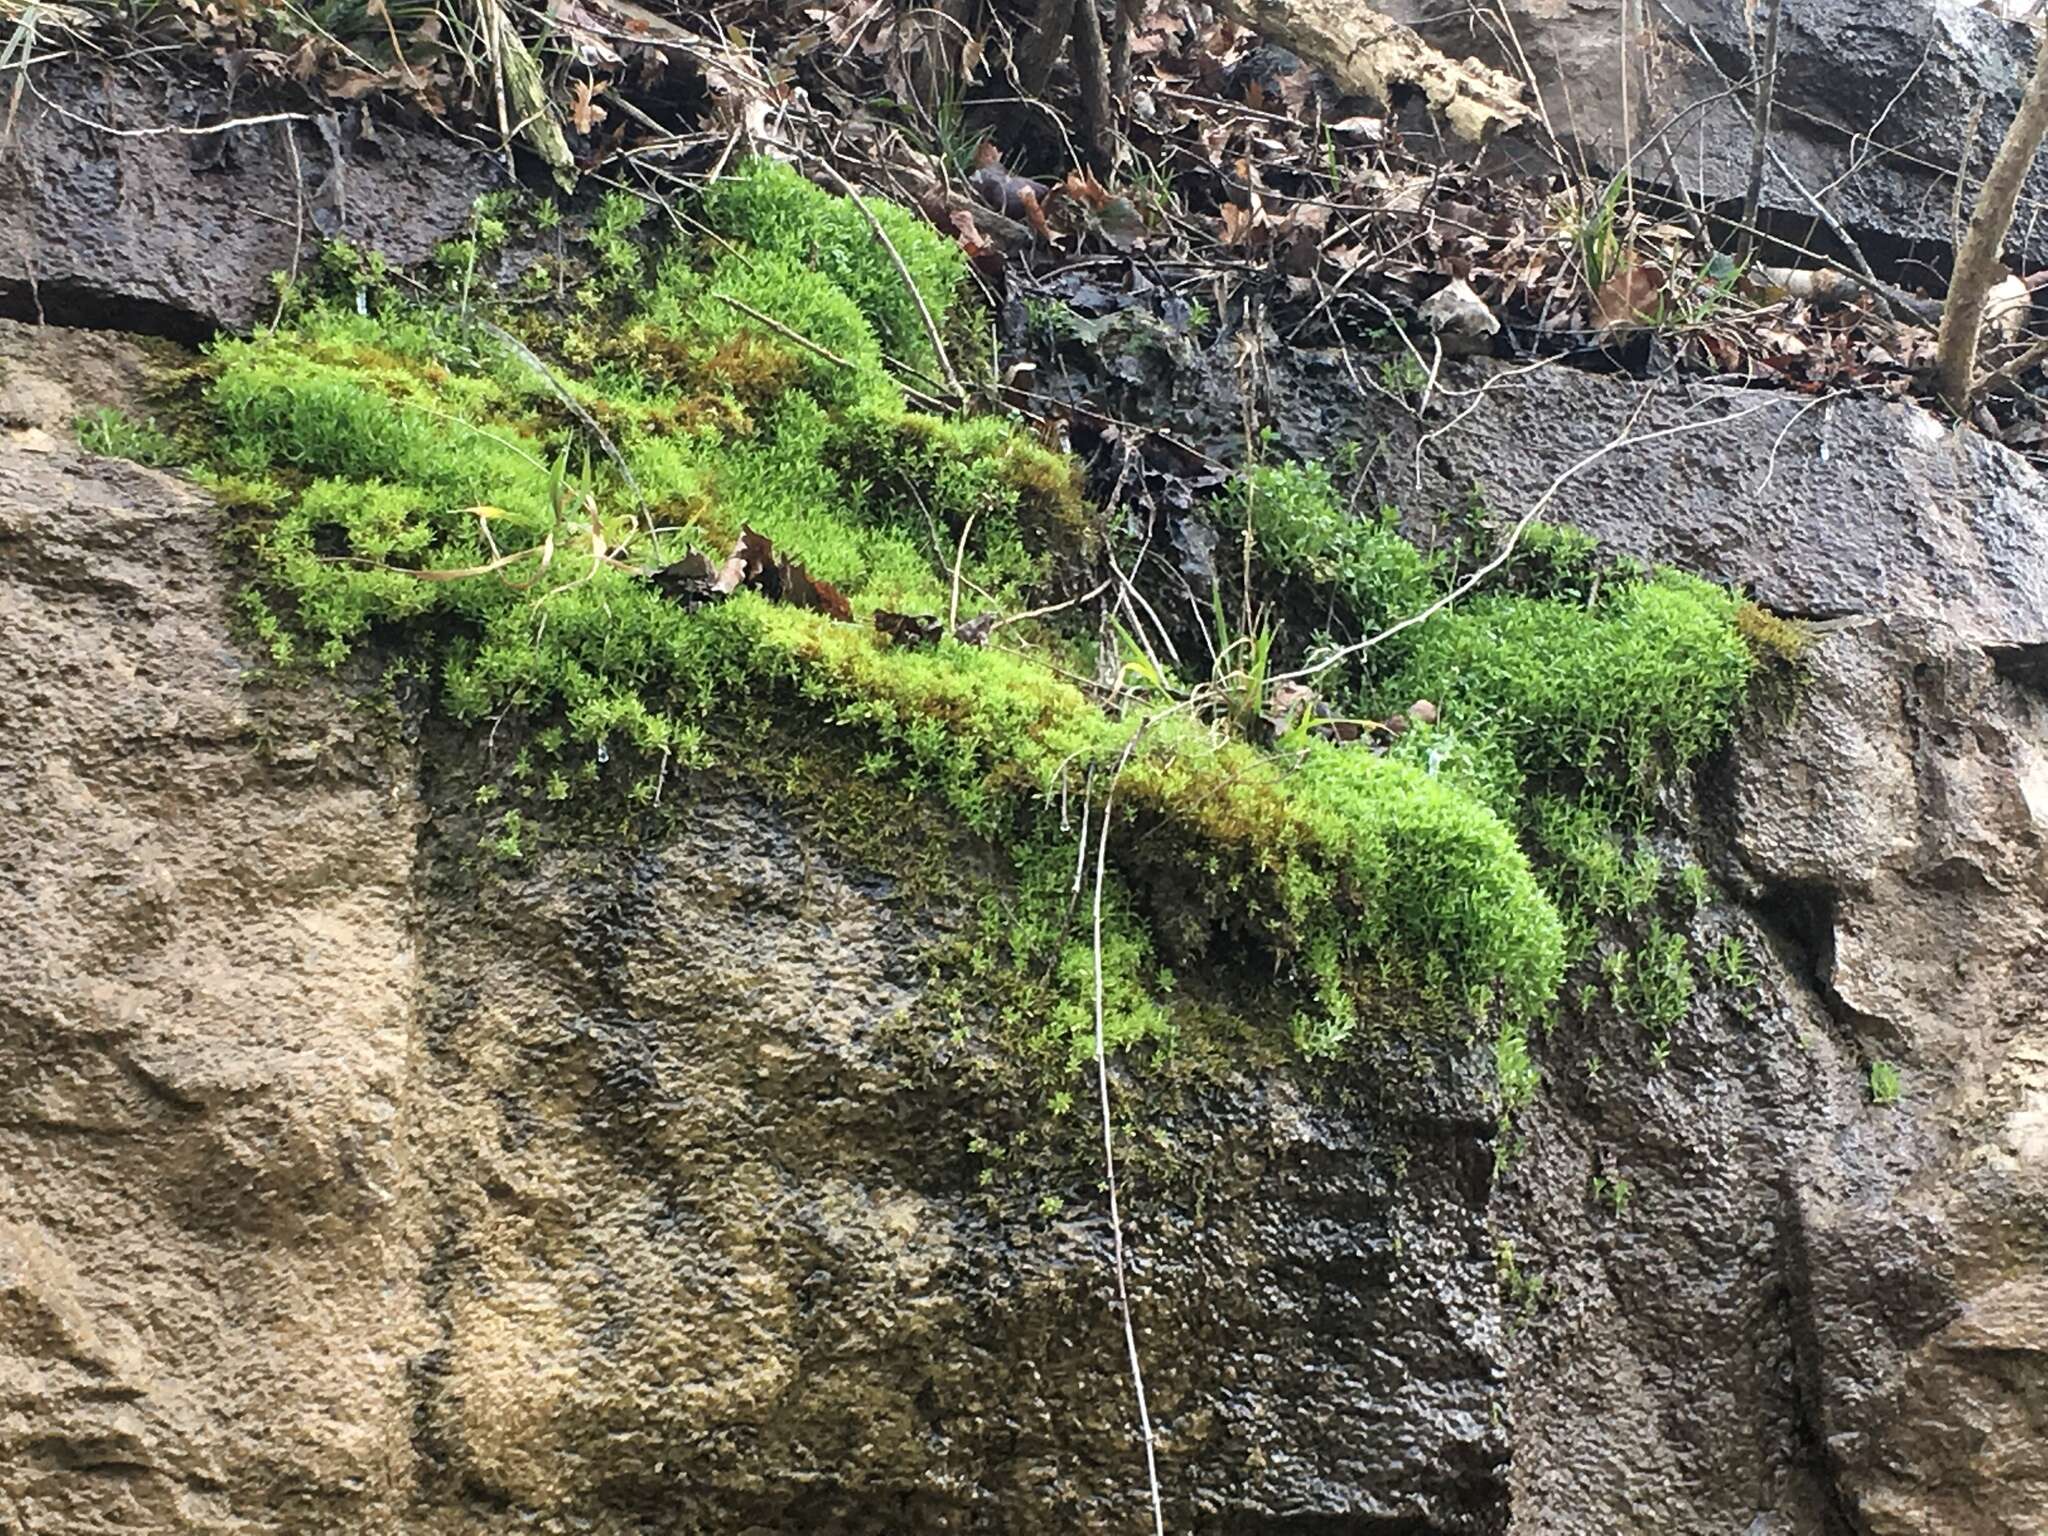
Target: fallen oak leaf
(1034, 215)
(584, 112)
(752, 559)
(689, 581)
(908, 628)
(345, 84)
(800, 589)
(1628, 298)
(1007, 194)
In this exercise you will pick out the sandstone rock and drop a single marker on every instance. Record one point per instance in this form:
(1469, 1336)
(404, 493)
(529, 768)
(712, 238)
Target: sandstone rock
(354, 1187)
(205, 1310)
(356, 1184)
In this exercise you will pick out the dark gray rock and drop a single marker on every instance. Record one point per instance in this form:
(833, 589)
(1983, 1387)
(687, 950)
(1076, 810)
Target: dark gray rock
(1876, 102)
(1816, 1314)
(1820, 508)
(742, 1270)
(161, 230)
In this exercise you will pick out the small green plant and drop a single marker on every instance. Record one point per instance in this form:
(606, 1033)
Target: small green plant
(958, 141)
(1521, 1288)
(1320, 1037)
(1641, 874)
(1693, 886)
(1661, 990)
(1614, 1192)
(1706, 292)
(1785, 641)
(1402, 374)
(507, 845)
(1516, 1079)
(117, 435)
(1728, 962)
(1594, 230)
(1885, 1086)
(1516, 1076)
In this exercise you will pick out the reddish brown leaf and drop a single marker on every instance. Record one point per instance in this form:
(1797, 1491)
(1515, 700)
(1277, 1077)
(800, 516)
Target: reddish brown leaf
(800, 589)
(1012, 196)
(1084, 189)
(1034, 215)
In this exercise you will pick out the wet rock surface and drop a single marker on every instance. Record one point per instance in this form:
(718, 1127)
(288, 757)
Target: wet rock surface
(121, 212)
(1878, 106)
(206, 1015)
(353, 1182)
(713, 1247)
(1769, 1336)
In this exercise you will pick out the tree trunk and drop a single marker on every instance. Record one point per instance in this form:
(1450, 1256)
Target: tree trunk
(1980, 260)
(1099, 123)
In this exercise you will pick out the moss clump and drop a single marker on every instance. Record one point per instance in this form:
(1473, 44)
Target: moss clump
(1785, 641)
(403, 474)
(767, 209)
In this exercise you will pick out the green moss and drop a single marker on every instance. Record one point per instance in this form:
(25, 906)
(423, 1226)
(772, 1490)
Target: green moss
(766, 207)
(403, 476)
(1782, 640)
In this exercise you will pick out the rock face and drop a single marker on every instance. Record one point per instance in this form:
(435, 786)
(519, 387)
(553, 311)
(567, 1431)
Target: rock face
(355, 1182)
(1878, 104)
(352, 1182)
(120, 215)
(353, 1185)
(710, 1247)
(208, 1265)
(1817, 1313)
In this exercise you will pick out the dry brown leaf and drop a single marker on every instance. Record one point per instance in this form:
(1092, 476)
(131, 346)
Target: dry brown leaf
(800, 589)
(584, 112)
(1628, 298)
(908, 628)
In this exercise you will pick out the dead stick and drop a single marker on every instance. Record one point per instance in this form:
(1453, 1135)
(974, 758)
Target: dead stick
(1766, 93)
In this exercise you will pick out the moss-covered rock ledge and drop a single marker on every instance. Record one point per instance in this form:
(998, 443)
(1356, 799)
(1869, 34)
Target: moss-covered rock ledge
(501, 490)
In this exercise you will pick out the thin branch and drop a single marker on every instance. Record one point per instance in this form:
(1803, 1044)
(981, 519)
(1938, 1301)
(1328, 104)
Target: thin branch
(174, 129)
(1089, 596)
(1766, 93)
(959, 560)
(2010, 372)
(525, 355)
(783, 331)
(1116, 1226)
(931, 327)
